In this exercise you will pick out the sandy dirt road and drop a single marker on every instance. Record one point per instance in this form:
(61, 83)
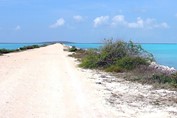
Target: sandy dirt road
(44, 83)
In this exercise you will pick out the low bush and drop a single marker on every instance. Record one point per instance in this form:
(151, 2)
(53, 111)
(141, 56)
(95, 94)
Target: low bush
(29, 47)
(73, 49)
(116, 56)
(130, 63)
(90, 60)
(4, 51)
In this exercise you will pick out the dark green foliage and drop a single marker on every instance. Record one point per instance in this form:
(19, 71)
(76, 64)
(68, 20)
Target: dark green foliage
(112, 51)
(73, 49)
(91, 60)
(5, 51)
(29, 47)
(130, 63)
(126, 56)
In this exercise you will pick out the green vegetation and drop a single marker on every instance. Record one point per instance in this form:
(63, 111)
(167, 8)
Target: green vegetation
(119, 55)
(90, 60)
(128, 58)
(130, 63)
(29, 47)
(5, 51)
(73, 49)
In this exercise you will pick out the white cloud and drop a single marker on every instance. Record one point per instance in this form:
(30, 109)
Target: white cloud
(17, 28)
(140, 23)
(148, 23)
(78, 18)
(119, 19)
(59, 22)
(164, 25)
(100, 20)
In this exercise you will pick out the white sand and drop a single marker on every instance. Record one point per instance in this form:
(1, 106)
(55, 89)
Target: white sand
(46, 83)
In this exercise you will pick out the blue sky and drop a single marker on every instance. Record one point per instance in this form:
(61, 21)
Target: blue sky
(143, 21)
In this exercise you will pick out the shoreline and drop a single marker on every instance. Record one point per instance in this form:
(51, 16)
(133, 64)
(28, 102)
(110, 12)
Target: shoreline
(162, 68)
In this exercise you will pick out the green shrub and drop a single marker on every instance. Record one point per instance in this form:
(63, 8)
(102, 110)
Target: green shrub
(130, 63)
(29, 47)
(126, 56)
(4, 51)
(135, 50)
(91, 60)
(112, 51)
(73, 49)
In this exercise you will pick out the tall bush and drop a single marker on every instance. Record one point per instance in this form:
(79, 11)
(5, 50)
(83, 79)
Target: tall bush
(119, 53)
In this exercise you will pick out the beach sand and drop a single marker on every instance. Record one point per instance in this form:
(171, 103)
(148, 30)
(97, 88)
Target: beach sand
(46, 83)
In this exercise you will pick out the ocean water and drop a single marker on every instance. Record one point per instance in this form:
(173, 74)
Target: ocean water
(85, 45)
(16, 45)
(165, 54)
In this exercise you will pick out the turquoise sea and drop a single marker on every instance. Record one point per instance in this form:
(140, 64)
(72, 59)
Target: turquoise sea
(16, 45)
(165, 54)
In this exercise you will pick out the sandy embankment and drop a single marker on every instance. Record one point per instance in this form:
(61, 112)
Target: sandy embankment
(45, 83)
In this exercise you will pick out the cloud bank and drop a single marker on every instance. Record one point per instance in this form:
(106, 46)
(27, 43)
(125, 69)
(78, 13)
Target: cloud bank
(119, 20)
(148, 23)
